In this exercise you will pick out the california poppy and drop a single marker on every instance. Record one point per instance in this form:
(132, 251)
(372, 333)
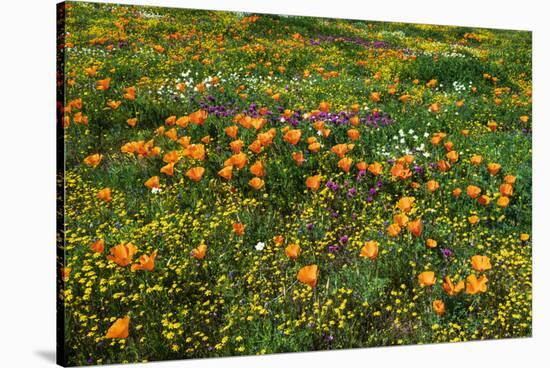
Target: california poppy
(415, 227)
(405, 204)
(153, 182)
(199, 252)
(146, 263)
(257, 169)
(104, 194)
(394, 229)
(506, 189)
(293, 251)
(370, 250)
(476, 159)
(313, 182)
(119, 329)
(130, 93)
(132, 122)
(476, 285)
(239, 228)
(195, 173)
(401, 219)
(503, 201)
(481, 263)
(103, 84)
(256, 183)
(226, 172)
(168, 169)
(345, 164)
(430, 243)
(375, 168)
(432, 185)
(98, 246)
(439, 307)
(308, 275)
(426, 278)
(493, 168)
(93, 160)
(293, 136)
(122, 254)
(473, 191)
(450, 288)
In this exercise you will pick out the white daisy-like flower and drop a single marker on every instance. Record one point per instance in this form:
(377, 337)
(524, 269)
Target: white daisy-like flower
(260, 246)
(156, 190)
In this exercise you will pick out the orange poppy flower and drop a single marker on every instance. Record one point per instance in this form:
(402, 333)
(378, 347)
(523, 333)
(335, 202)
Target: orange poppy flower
(484, 200)
(182, 121)
(400, 171)
(476, 159)
(524, 237)
(473, 219)
(457, 192)
(195, 173)
(492, 125)
(345, 164)
(506, 189)
(122, 254)
(509, 179)
(195, 151)
(104, 194)
(238, 160)
(255, 146)
(199, 252)
(114, 104)
(434, 107)
(476, 285)
(146, 263)
(119, 329)
(401, 219)
(375, 96)
(353, 134)
(239, 228)
(171, 120)
(153, 182)
(130, 93)
(293, 136)
(503, 201)
(432, 185)
(394, 229)
(324, 106)
(481, 263)
(375, 168)
(313, 182)
(473, 191)
(256, 183)
(93, 160)
(298, 157)
(439, 307)
(91, 71)
(443, 166)
(103, 84)
(493, 168)
(231, 131)
(426, 278)
(278, 239)
(415, 227)
(198, 117)
(226, 172)
(293, 251)
(98, 246)
(258, 169)
(171, 157)
(405, 204)
(341, 149)
(362, 166)
(236, 145)
(168, 169)
(308, 275)
(453, 156)
(430, 243)
(65, 273)
(172, 134)
(132, 122)
(450, 288)
(370, 250)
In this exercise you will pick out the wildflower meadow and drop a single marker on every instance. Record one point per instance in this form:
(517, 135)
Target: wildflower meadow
(242, 184)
